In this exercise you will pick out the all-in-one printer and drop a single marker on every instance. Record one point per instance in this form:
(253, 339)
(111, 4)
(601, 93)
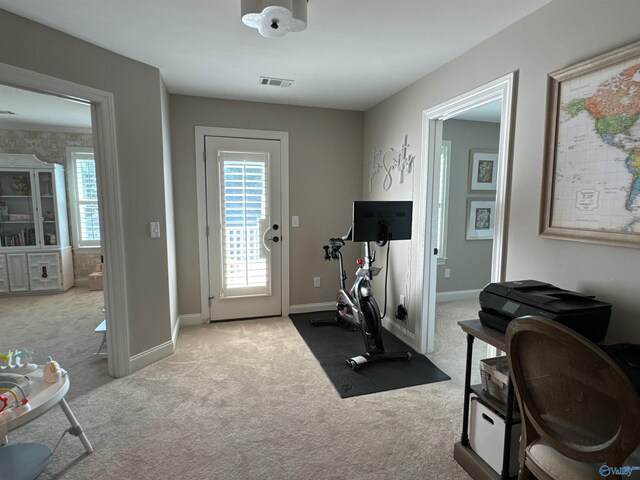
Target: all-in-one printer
(502, 302)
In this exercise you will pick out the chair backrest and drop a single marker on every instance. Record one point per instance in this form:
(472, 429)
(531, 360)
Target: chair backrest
(574, 396)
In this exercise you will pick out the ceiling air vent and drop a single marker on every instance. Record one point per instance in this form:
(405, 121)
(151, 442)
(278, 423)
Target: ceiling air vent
(7, 112)
(275, 82)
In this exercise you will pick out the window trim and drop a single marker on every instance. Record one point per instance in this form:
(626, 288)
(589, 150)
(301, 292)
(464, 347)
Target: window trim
(444, 169)
(87, 245)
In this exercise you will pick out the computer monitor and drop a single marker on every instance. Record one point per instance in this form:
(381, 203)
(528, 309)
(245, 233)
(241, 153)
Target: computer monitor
(382, 221)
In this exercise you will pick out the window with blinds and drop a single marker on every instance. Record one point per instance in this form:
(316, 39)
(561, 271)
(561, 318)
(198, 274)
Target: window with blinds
(83, 196)
(244, 221)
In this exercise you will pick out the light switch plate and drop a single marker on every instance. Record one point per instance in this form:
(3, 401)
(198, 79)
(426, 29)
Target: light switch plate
(154, 229)
(295, 221)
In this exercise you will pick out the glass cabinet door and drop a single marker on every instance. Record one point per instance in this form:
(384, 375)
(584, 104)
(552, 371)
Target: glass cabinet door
(47, 203)
(17, 220)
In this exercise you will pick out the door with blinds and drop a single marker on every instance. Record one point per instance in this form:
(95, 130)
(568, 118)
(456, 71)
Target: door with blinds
(243, 217)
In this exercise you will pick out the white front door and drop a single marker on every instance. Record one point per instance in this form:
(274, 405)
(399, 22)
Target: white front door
(244, 225)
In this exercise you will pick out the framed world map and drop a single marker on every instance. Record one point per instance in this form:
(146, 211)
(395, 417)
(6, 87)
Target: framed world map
(591, 184)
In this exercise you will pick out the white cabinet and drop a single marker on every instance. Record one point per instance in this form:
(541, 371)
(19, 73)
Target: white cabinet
(4, 276)
(35, 255)
(18, 272)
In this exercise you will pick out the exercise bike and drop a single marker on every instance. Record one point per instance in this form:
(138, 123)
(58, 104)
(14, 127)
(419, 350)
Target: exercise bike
(358, 307)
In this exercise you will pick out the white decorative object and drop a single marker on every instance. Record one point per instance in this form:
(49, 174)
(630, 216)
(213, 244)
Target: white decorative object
(275, 18)
(389, 161)
(52, 371)
(17, 361)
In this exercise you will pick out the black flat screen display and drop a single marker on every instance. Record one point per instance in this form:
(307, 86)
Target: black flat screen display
(379, 221)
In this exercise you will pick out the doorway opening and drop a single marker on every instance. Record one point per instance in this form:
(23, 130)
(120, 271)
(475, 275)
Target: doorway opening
(108, 201)
(483, 185)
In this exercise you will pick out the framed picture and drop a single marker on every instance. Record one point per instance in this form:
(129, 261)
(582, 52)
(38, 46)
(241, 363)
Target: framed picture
(591, 183)
(483, 171)
(480, 219)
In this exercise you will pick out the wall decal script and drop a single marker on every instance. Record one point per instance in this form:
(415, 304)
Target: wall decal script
(390, 160)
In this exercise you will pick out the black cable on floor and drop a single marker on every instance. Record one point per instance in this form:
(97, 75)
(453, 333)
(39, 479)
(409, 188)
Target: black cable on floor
(386, 277)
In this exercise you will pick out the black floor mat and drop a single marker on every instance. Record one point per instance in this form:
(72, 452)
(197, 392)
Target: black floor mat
(333, 345)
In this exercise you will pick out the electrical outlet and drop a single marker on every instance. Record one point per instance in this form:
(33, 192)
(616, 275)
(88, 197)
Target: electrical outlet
(402, 298)
(316, 282)
(295, 221)
(447, 273)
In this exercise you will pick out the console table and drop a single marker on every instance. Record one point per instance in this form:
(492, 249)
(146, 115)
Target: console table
(462, 452)
(29, 460)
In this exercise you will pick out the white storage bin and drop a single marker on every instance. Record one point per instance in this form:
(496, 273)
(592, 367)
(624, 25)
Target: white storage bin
(486, 436)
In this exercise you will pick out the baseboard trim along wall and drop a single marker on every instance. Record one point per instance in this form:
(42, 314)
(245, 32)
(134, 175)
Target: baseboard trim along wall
(174, 332)
(190, 320)
(401, 332)
(457, 295)
(152, 355)
(312, 307)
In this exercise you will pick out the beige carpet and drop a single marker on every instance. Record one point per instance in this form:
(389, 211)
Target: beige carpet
(61, 326)
(247, 400)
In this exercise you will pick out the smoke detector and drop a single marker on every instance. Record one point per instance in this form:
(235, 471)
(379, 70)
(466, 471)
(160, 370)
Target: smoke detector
(275, 82)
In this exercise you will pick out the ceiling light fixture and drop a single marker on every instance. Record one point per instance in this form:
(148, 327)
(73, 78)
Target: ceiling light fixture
(275, 18)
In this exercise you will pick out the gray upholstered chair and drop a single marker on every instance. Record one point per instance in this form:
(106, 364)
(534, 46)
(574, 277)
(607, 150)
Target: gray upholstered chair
(580, 412)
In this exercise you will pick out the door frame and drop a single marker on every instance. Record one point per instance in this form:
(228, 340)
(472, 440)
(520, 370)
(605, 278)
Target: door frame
(109, 202)
(201, 195)
(503, 88)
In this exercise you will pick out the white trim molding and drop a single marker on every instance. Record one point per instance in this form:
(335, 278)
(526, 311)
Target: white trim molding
(503, 88)
(401, 331)
(146, 358)
(175, 332)
(283, 137)
(312, 307)
(190, 320)
(457, 295)
(110, 205)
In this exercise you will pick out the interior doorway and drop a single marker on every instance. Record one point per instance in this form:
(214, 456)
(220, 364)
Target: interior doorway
(50, 232)
(482, 214)
(111, 229)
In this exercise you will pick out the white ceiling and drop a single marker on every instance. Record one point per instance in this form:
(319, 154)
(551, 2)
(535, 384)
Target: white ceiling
(353, 54)
(489, 112)
(35, 110)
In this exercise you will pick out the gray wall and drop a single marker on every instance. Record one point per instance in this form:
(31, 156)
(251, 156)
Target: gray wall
(557, 35)
(325, 177)
(468, 260)
(137, 94)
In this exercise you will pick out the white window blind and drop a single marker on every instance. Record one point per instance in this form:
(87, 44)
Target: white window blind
(83, 193)
(244, 219)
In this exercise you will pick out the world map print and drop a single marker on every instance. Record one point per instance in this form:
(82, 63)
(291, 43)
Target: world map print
(597, 174)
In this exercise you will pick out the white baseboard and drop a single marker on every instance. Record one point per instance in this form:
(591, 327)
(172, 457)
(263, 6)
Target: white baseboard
(190, 320)
(174, 333)
(457, 295)
(312, 307)
(150, 356)
(401, 332)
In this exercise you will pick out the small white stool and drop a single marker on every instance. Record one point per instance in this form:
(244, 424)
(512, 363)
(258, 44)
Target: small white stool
(102, 328)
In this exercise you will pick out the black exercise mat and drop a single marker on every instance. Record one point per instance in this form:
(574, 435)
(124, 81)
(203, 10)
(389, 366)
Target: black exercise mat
(333, 345)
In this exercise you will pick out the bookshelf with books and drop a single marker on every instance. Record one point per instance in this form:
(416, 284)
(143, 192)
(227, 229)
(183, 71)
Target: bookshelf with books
(35, 254)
